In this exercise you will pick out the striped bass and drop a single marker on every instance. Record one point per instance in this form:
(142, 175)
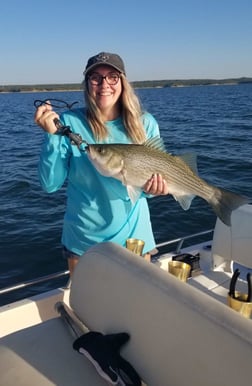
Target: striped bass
(134, 164)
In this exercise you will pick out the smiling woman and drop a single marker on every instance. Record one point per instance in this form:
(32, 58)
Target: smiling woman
(98, 208)
(105, 90)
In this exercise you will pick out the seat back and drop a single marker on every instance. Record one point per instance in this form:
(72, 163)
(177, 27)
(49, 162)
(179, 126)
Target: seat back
(179, 335)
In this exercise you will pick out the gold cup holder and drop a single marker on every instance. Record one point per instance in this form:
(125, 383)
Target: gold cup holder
(240, 304)
(135, 245)
(179, 269)
(238, 301)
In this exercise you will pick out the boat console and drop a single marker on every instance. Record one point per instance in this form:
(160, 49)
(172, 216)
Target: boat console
(233, 244)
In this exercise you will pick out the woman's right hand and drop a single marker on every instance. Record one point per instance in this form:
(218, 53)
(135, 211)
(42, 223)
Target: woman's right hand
(44, 117)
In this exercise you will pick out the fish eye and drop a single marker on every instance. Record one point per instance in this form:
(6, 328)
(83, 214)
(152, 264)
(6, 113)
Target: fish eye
(100, 149)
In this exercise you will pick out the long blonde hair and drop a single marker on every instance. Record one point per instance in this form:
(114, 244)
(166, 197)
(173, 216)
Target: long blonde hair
(130, 109)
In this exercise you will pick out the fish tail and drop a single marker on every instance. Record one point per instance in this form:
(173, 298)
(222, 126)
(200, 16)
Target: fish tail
(224, 202)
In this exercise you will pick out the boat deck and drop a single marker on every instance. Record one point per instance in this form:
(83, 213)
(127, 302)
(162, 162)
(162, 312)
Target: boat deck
(214, 283)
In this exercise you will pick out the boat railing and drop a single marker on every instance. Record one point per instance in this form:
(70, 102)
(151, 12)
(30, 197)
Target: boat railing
(179, 241)
(38, 280)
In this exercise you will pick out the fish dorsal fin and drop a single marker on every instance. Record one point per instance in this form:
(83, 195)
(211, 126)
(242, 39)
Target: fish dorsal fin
(155, 143)
(191, 160)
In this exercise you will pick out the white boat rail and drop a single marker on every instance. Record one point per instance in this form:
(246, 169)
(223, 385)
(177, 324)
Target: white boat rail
(180, 240)
(38, 280)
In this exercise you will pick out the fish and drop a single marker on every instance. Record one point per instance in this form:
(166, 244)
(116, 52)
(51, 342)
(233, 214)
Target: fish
(134, 164)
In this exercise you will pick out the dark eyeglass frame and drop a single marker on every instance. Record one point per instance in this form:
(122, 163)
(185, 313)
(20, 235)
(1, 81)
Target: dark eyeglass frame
(111, 82)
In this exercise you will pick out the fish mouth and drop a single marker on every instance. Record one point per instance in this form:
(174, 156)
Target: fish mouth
(90, 152)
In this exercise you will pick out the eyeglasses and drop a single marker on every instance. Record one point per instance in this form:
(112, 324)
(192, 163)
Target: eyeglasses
(96, 79)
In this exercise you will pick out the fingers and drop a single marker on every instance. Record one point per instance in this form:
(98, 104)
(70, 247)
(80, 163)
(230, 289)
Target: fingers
(44, 117)
(156, 185)
(42, 110)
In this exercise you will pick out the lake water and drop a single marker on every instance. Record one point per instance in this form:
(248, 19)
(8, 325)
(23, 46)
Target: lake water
(215, 122)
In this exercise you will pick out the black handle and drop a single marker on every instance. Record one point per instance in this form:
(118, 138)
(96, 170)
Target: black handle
(233, 283)
(249, 280)
(57, 123)
(61, 129)
(76, 139)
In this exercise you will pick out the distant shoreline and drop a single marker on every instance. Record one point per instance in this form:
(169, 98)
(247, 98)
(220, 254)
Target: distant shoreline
(136, 84)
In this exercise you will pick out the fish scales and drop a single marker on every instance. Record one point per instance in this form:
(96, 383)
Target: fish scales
(170, 167)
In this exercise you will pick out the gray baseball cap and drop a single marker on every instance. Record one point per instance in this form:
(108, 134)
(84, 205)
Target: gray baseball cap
(105, 58)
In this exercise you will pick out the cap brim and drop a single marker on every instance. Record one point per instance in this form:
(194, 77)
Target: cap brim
(101, 64)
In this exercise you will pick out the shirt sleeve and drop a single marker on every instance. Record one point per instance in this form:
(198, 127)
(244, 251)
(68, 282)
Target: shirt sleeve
(54, 162)
(152, 130)
(151, 126)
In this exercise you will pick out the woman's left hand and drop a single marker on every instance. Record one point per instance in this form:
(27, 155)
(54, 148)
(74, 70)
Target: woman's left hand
(156, 186)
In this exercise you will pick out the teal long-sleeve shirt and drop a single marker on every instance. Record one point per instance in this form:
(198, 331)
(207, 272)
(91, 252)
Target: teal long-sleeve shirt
(98, 208)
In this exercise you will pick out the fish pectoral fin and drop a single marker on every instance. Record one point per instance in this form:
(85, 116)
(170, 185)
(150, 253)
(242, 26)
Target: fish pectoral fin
(134, 193)
(184, 201)
(123, 173)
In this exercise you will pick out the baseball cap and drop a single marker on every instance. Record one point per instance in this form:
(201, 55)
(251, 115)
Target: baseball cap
(105, 58)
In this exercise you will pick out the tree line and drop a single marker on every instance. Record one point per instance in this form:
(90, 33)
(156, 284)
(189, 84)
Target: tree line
(135, 84)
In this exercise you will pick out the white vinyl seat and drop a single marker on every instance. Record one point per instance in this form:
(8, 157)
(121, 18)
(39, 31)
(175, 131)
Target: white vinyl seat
(42, 355)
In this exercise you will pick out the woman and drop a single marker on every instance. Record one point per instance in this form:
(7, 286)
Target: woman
(98, 208)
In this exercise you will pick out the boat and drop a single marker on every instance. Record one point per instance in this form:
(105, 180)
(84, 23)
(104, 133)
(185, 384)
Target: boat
(196, 331)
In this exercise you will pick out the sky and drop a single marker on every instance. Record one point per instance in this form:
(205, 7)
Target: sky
(50, 41)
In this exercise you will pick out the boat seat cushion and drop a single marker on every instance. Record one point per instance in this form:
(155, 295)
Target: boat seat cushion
(172, 326)
(42, 355)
